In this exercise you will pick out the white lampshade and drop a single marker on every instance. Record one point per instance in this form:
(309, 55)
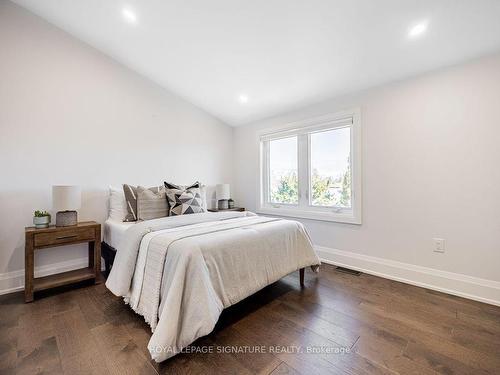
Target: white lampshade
(222, 191)
(66, 198)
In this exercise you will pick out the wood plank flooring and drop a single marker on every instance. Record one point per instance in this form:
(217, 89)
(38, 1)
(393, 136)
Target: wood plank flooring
(337, 324)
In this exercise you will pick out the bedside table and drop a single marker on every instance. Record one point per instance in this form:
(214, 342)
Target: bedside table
(226, 209)
(37, 239)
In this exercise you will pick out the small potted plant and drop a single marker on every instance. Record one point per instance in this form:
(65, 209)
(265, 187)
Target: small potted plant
(41, 219)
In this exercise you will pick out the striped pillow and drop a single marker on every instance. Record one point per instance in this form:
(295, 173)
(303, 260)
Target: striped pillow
(131, 199)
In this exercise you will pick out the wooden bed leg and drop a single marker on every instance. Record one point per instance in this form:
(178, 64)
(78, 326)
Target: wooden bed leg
(301, 272)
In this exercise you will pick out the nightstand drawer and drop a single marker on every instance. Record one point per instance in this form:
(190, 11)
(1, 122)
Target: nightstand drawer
(65, 236)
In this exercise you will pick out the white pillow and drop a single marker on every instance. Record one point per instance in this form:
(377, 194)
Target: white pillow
(203, 193)
(117, 203)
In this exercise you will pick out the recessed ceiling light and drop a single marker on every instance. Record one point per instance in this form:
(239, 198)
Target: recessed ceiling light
(243, 99)
(129, 16)
(417, 29)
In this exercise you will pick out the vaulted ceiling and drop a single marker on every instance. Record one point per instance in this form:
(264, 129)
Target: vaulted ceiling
(246, 60)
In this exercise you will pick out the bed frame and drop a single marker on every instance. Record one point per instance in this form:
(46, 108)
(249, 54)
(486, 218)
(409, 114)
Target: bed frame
(108, 253)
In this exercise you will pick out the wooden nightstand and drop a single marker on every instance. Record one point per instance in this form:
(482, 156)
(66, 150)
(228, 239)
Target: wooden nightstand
(52, 236)
(226, 209)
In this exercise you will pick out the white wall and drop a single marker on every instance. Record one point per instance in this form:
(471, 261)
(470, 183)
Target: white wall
(70, 115)
(431, 168)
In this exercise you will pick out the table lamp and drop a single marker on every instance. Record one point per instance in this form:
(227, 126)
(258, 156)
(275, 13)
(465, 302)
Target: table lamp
(66, 199)
(222, 194)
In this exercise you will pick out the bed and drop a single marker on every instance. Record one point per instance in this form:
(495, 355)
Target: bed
(114, 231)
(180, 272)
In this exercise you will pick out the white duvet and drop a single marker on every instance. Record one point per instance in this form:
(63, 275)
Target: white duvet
(180, 272)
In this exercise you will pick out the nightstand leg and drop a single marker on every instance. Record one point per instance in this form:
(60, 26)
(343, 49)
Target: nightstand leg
(95, 255)
(29, 270)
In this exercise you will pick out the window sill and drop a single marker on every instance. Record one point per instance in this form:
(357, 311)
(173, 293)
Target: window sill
(347, 218)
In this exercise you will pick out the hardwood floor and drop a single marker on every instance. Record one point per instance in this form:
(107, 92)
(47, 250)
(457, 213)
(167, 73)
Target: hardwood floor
(352, 325)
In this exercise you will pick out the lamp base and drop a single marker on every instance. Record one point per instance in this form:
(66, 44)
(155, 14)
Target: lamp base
(66, 218)
(222, 204)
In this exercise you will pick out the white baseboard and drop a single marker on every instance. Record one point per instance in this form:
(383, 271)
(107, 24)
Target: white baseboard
(14, 281)
(470, 287)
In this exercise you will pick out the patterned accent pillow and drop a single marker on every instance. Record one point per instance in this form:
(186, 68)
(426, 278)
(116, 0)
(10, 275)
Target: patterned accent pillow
(131, 200)
(184, 201)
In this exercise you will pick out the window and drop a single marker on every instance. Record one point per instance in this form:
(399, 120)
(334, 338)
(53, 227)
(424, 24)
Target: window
(283, 178)
(330, 168)
(312, 169)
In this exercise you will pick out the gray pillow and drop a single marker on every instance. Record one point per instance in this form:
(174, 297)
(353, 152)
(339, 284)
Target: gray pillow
(131, 200)
(182, 200)
(151, 204)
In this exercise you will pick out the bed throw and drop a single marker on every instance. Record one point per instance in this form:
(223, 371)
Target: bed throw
(180, 272)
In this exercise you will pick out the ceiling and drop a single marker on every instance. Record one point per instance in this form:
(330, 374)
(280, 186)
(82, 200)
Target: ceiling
(279, 55)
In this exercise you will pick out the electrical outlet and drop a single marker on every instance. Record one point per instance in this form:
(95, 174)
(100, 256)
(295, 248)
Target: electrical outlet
(438, 245)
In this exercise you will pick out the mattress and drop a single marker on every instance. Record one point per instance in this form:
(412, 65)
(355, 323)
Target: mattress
(114, 231)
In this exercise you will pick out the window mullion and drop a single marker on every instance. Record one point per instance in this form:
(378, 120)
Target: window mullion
(303, 172)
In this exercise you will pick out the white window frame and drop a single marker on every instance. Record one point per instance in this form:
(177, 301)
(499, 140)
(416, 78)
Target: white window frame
(303, 129)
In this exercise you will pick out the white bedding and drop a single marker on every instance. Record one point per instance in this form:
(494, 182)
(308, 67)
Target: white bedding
(114, 231)
(181, 272)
